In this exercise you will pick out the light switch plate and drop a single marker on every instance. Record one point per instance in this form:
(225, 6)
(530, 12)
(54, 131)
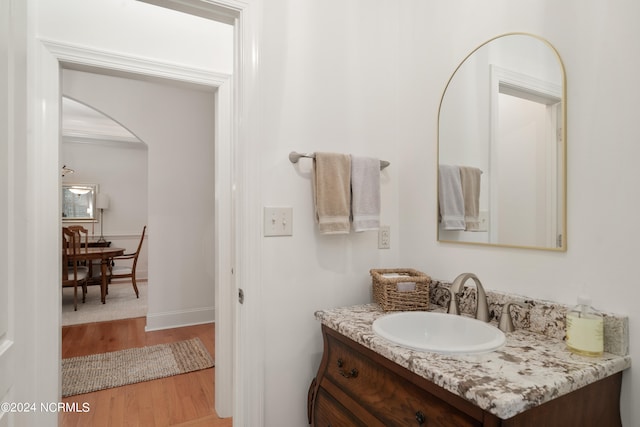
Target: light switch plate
(278, 221)
(384, 237)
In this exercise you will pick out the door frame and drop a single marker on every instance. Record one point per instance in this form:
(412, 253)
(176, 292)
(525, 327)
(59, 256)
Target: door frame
(543, 92)
(73, 57)
(239, 262)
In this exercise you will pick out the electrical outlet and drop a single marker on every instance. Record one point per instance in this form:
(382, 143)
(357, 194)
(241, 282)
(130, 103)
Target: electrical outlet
(384, 237)
(278, 221)
(484, 221)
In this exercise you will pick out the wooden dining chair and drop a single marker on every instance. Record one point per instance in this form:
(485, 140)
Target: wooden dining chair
(72, 274)
(83, 235)
(128, 272)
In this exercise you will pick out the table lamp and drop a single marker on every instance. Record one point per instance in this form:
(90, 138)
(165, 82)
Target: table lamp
(102, 203)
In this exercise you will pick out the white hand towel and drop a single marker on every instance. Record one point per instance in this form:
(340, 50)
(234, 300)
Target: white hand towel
(451, 200)
(365, 193)
(470, 181)
(332, 192)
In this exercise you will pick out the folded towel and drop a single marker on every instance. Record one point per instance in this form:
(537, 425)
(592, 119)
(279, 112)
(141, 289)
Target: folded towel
(450, 198)
(402, 286)
(332, 192)
(365, 193)
(470, 181)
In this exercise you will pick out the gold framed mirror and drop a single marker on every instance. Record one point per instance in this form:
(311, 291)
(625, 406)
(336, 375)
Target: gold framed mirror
(502, 147)
(79, 202)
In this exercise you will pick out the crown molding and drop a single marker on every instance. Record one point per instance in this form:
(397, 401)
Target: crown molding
(107, 141)
(84, 56)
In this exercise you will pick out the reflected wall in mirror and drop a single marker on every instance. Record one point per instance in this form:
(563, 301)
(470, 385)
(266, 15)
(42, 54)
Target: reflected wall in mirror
(502, 147)
(78, 202)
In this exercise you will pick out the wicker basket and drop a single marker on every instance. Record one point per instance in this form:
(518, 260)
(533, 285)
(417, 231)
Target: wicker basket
(405, 297)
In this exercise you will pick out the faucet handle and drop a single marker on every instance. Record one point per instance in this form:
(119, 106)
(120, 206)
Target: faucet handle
(506, 321)
(453, 302)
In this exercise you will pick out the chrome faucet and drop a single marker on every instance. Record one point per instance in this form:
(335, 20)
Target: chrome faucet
(482, 307)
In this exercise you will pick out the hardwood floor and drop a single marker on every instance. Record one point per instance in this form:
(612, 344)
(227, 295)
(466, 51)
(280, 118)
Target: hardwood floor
(180, 400)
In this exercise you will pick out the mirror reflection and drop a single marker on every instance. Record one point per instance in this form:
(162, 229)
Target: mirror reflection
(78, 202)
(502, 147)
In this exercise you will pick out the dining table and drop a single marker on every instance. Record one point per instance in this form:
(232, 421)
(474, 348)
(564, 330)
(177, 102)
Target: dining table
(104, 254)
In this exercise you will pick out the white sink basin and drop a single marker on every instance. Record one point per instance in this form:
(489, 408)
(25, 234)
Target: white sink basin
(439, 332)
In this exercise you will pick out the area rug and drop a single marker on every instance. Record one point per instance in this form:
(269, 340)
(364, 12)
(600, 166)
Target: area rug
(121, 304)
(106, 370)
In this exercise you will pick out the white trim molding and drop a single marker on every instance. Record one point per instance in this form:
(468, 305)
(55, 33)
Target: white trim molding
(109, 141)
(46, 139)
(179, 318)
(246, 212)
(84, 56)
(238, 208)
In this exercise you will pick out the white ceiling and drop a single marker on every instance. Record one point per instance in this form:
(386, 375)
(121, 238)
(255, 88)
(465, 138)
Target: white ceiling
(81, 123)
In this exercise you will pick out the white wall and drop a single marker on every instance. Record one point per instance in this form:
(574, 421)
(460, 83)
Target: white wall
(329, 76)
(597, 44)
(521, 151)
(139, 29)
(177, 124)
(184, 282)
(121, 173)
(129, 28)
(371, 85)
(19, 297)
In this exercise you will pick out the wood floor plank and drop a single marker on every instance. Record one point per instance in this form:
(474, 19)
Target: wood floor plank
(144, 395)
(186, 399)
(101, 411)
(161, 394)
(206, 422)
(117, 408)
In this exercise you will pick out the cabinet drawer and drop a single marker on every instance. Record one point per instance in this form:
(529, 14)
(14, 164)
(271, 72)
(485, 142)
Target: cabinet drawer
(389, 397)
(330, 413)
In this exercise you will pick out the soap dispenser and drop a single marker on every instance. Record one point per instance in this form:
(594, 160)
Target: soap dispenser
(585, 329)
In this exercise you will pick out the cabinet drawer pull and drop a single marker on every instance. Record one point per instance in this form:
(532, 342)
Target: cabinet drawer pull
(351, 374)
(420, 418)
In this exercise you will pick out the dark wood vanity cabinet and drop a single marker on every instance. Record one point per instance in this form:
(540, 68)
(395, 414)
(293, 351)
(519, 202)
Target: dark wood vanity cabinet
(357, 387)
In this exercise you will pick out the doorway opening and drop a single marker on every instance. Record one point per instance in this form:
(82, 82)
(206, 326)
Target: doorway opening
(238, 215)
(101, 151)
(526, 189)
(216, 87)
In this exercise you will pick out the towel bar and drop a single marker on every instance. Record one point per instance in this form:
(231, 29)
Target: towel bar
(294, 157)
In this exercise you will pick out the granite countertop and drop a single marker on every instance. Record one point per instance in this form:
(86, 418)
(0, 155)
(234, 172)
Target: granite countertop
(529, 370)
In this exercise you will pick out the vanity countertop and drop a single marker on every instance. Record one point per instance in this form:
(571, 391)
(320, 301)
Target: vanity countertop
(529, 370)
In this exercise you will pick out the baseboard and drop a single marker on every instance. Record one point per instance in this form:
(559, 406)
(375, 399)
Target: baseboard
(179, 318)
